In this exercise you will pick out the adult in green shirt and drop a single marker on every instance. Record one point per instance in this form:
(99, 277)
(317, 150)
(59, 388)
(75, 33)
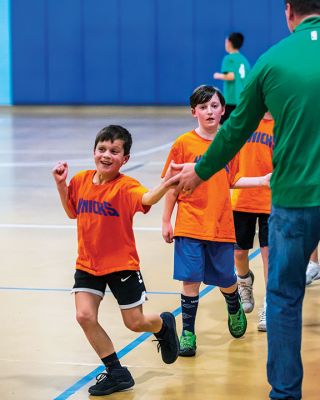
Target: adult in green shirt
(285, 81)
(234, 71)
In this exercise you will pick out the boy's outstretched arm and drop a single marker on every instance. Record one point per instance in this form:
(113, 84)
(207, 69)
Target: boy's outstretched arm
(169, 203)
(60, 173)
(251, 182)
(170, 180)
(228, 76)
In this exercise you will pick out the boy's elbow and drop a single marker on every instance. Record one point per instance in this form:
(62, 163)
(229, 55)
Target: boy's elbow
(147, 201)
(70, 214)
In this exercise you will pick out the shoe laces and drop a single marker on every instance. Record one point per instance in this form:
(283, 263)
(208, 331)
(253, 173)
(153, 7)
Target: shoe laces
(184, 341)
(262, 314)
(236, 316)
(158, 343)
(245, 291)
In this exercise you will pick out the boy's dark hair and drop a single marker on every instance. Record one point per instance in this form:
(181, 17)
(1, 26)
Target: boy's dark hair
(236, 39)
(112, 133)
(203, 93)
(305, 7)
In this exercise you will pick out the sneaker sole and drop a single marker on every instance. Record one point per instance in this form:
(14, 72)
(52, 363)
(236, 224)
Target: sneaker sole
(313, 278)
(190, 353)
(119, 388)
(260, 329)
(247, 310)
(317, 277)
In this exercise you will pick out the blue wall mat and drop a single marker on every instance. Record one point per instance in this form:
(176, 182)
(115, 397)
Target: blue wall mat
(175, 50)
(101, 51)
(212, 26)
(278, 25)
(29, 52)
(65, 52)
(137, 51)
(130, 52)
(252, 18)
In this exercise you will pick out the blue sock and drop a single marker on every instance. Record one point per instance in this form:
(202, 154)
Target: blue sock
(233, 301)
(189, 307)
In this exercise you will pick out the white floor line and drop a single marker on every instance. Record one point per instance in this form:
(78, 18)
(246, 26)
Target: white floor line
(52, 363)
(81, 161)
(39, 226)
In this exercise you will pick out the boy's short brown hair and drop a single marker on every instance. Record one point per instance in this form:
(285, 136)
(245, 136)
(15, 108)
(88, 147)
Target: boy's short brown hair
(112, 133)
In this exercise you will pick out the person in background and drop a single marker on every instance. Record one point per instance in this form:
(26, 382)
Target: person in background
(234, 70)
(251, 206)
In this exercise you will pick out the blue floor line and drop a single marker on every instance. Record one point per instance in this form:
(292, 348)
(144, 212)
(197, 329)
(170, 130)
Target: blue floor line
(129, 347)
(25, 289)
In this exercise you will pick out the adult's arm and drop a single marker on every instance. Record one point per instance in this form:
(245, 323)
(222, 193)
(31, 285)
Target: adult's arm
(237, 129)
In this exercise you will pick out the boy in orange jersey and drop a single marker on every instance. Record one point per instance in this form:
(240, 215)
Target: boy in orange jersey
(250, 206)
(204, 230)
(104, 202)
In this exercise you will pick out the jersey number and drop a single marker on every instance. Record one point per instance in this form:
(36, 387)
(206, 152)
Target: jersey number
(242, 71)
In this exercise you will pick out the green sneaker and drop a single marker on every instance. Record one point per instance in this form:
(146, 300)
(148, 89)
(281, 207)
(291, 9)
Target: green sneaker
(188, 344)
(237, 323)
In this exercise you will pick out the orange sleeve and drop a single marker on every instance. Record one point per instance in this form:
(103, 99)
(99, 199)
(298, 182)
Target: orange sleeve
(233, 170)
(175, 155)
(72, 197)
(135, 193)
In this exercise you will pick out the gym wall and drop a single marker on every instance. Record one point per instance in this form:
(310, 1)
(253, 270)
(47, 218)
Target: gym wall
(129, 52)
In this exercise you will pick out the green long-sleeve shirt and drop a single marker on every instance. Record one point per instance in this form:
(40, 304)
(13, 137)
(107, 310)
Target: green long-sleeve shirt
(285, 81)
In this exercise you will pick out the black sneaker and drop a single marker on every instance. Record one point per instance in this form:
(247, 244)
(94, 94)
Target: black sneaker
(115, 380)
(168, 341)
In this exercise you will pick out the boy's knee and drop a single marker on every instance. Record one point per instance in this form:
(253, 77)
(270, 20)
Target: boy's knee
(191, 288)
(85, 318)
(134, 325)
(241, 255)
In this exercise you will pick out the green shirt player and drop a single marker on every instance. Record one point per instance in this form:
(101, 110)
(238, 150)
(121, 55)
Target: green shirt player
(235, 68)
(286, 81)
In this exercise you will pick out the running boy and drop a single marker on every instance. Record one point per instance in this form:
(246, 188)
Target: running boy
(250, 206)
(104, 202)
(204, 230)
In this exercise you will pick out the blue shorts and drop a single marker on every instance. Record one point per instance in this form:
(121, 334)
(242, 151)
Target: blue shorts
(204, 261)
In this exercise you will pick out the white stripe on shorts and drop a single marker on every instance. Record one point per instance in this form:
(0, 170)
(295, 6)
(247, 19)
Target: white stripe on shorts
(137, 303)
(87, 290)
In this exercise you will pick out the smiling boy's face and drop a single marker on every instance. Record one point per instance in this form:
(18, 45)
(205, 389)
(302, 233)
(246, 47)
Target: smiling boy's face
(109, 157)
(209, 114)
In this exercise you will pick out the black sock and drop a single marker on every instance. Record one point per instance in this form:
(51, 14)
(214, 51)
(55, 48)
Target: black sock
(111, 361)
(189, 306)
(233, 301)
(244, 276)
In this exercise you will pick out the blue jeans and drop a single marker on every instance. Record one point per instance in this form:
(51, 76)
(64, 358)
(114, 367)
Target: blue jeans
(293, 234)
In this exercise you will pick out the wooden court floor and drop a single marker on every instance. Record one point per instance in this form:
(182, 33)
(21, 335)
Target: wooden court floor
(43, 353)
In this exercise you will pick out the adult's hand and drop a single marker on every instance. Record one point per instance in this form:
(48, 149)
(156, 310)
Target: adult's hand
(189, 180)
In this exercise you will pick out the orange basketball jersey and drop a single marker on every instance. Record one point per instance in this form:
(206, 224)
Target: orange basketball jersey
(104, 220)
(207, 213)
(255, 159)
